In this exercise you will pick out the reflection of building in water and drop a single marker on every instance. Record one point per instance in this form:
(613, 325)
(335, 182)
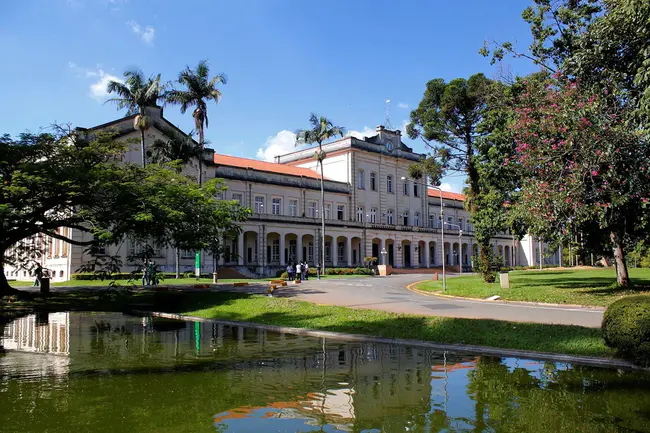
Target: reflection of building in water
(43, 333)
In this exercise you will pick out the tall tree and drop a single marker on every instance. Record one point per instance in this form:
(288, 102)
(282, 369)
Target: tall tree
(136, 94)
(449, 121)
(582, 165)
(322, 129)
(179, 148)
(199, 90)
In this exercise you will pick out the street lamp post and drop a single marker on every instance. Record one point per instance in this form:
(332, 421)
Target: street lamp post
(460, 246)
(442, 239)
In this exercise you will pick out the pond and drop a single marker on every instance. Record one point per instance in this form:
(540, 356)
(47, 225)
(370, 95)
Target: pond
(108, 372)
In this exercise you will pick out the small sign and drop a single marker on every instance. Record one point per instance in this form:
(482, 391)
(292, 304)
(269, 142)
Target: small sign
(197, 264)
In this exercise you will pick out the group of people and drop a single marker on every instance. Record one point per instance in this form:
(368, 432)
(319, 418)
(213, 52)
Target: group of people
(149, 274)
(299, 271)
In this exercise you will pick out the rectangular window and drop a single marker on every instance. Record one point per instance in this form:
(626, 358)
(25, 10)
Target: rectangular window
(389, 217)
(310, 252)
(416, 192)
(340, 212)
(373, 181)
(373, 215)
(361, 179)
(406, 218)
(188, 254)
(328, 211)
(340, 252)
(360, 214)
(432, 221)
(275, 250)
(276, 205)
(237, 197)
(312, 209)
(460, 223)
(259, 204)
(293, 207)
(389, 184)
(328, 251)
(416, 219)
(406, 187)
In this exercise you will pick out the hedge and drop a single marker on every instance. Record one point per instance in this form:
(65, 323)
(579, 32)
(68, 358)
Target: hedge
(335, 271)
(626, 328)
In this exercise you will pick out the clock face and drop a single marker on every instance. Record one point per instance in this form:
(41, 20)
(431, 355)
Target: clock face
(389, 146)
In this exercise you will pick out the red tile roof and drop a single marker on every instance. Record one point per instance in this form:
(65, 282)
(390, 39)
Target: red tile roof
(254, 164)
(446, 195)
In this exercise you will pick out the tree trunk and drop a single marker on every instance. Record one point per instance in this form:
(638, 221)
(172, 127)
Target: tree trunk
(143, 149)
(201, 144)
(178, 262)
(5, 288)
(322, 200)
(622, 277)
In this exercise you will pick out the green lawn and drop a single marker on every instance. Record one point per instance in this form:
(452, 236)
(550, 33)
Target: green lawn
(573, 340)
(171, 281)
(580, 287)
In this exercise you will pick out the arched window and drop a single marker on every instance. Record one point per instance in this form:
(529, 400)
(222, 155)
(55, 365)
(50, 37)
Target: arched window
(389, 216)
(389, 184)
(373, 181)
(360, 214)
(405, 218)
(373, 215)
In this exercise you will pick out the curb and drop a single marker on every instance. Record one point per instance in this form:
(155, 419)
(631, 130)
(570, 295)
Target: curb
(411, 287)
(454, 348)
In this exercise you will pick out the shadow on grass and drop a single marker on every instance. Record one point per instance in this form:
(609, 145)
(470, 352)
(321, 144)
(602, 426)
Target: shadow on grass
(565, 283)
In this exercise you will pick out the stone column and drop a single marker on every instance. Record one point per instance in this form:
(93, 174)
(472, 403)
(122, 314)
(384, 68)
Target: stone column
(426, 255)
(240, 249)
(348, 250)
(334, 250)
(283, 261)
(299, 256)
(382, 259)
(398, 250)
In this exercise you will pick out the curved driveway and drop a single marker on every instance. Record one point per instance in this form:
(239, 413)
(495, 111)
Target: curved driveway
(390, 294)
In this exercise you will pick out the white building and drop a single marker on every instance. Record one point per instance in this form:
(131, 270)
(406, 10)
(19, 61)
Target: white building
(370, 205)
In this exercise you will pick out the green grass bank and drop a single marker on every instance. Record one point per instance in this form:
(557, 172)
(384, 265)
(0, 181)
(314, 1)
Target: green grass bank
(595, 287)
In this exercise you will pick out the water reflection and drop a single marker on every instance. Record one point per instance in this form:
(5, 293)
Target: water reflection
(102, 372)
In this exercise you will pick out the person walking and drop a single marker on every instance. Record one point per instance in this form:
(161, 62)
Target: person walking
(299, 271)
(145, 274)
(306, 271)
(290, 272)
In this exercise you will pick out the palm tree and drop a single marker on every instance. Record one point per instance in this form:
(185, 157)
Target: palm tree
(176, 147)
(322, 129)
(136, 94)
(199, 90)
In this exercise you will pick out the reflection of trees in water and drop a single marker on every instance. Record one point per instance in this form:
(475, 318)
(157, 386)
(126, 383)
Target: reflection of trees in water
(559, 400)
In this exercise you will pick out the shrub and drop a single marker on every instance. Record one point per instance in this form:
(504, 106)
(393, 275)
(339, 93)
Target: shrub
(125, 276)
(626, 328)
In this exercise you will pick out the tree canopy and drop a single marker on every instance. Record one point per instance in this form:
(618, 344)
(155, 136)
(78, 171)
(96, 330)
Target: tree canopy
(60, 179)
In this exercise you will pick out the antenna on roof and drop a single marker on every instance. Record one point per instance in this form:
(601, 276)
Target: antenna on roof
(387, 124)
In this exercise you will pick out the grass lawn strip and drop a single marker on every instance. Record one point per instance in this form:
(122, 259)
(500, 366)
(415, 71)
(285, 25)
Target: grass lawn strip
(595, 287)
(569, 340)
(167, 281)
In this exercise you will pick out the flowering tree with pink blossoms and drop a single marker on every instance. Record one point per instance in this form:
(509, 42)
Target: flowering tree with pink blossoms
(581, 165)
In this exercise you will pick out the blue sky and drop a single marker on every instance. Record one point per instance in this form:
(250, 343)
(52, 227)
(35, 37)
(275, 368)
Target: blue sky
(283, 58)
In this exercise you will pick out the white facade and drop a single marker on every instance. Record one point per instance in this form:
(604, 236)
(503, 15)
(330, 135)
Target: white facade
(370, 205)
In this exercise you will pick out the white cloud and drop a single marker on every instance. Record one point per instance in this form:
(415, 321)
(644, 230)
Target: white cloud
(446, 187)
(281, 143)
(366, 132)
(100, 78)
(403, 105)
(147, 35)
(98, 88)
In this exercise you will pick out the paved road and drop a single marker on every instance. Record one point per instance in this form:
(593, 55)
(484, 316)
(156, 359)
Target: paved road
(390, 294)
